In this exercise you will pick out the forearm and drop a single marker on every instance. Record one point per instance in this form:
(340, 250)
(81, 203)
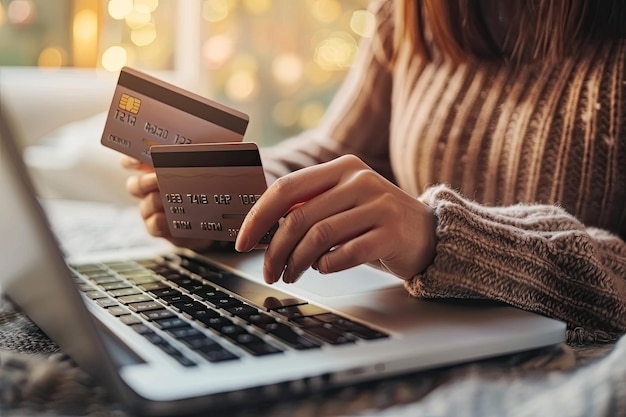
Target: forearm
(538, 258)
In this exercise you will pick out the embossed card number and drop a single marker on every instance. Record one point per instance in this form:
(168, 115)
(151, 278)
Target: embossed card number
(207, 189)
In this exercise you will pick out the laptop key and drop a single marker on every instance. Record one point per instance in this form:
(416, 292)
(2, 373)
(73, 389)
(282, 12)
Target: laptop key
(173, 299)
(345, 325)
(224, 302)
(198, 341)
(138, 298)
(290, 337)
(260, 320)
(159, 314)
(151, 286)
(154, 338)
(130, 319)
(141, 328)
(243, 311)
(186, 332)
(254, 344)
(216, 353)
(189, 284)
(164, 292)
(145, 306)
(170, 323)
(305, 310)
(122, 292)
(207, 292)
(107, 302)
(105, 279)
(85, 287)
(176, 354)
(306, 321)
(118, 311)
(217, 323)
(115, 285)
(201, 315)
(96, 294)
(231, 330)
(359, 330)
(194, 309)
(143, 279)
(329, 336)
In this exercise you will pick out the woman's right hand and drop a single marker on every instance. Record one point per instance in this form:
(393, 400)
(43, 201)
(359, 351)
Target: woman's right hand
(145, 187)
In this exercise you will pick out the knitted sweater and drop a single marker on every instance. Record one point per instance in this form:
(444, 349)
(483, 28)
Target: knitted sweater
(524, 166)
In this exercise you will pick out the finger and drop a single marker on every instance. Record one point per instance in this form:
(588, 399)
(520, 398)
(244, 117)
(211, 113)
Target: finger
(325, 235)
(360, 250)
(156, 225)
(132, 163)
(312, 215)
(142, 184)
(150, 204)
(284, 193)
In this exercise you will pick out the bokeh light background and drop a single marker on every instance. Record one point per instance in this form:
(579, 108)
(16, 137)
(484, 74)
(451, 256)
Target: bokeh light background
(280, 61)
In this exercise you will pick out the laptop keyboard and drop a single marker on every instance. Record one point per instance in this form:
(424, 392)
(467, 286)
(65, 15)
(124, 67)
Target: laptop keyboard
(195, 311)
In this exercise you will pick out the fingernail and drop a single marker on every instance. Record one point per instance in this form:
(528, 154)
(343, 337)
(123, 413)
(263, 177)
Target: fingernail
(290, 277)
(242, 245)
(269, 276)
(297, 277)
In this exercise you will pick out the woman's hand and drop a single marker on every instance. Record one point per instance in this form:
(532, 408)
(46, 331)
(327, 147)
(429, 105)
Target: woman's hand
(340, 214)
(144, 186)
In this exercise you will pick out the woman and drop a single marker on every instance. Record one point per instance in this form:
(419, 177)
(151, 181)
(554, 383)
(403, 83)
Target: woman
(476, 150)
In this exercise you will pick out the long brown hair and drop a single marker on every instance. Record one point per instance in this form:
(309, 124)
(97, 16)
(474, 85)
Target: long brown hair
(506, 29)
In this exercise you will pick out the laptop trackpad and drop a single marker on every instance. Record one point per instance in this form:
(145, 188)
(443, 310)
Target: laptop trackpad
(352, 281)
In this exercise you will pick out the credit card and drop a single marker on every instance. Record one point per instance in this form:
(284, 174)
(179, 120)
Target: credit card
(146, 111)
(207, 189)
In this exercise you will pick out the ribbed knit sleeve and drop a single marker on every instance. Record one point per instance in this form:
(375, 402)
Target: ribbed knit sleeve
(536, 257)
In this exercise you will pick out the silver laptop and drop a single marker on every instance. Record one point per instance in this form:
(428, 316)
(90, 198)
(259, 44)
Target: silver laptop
(173, 333)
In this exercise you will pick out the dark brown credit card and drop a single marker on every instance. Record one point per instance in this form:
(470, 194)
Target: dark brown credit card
(207, 189)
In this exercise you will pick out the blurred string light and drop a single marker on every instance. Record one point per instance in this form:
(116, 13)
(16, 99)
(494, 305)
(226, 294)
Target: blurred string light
(216, 10)
(287, 69)
(3, 15)
(114, 58)
(362, 23)
(337, 51)
(51, 57)
(241, 85)
(311, 114)
(256, 51)
(325, 11)
(257, 6)
(217, 50)
(21, 12)
(251, 42)
(85, 33)
(138, 17)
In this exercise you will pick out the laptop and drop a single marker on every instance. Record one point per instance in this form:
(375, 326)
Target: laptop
(171, 332)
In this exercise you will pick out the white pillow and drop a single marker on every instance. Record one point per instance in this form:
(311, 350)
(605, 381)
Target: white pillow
(70, 163)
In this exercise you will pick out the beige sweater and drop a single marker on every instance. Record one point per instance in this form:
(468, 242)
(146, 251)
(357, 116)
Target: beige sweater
(525, 168)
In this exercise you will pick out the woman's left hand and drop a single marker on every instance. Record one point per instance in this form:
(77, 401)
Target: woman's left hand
(340, 214)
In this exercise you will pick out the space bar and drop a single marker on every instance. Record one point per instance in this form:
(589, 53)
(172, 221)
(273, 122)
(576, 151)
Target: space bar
(259, 295)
